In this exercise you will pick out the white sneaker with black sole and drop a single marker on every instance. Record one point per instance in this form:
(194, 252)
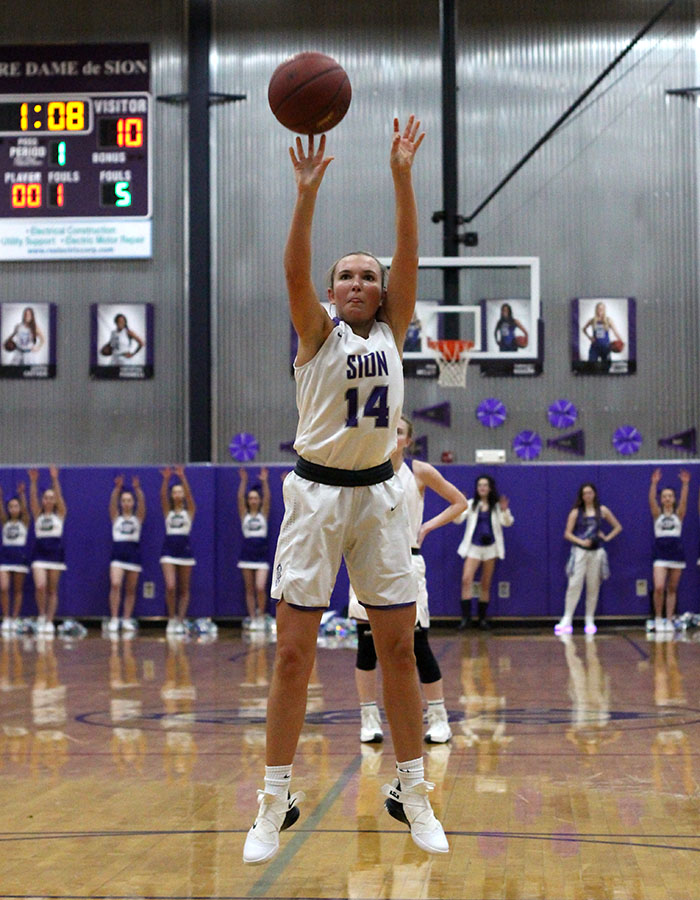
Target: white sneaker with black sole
(412, 807)
(275, 814)
(370, 725)
(439, 731)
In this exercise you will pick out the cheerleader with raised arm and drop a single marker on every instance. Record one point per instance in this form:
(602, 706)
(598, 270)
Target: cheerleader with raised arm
(254, 513)
(176, 558)
(127, 510)
(48, 557)
(14, 558)
(669, 556)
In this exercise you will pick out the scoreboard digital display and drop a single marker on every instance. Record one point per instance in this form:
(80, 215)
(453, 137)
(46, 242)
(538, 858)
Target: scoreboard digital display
(78, 155)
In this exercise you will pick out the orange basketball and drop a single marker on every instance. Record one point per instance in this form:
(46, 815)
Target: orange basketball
(309, 93)
(521, 341)
(617, 346)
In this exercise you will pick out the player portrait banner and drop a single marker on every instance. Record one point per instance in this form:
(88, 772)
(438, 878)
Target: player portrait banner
(28, 340)
(603, 336)
(121, 340)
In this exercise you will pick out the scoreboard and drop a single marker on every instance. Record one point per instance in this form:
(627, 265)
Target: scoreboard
(75, 155)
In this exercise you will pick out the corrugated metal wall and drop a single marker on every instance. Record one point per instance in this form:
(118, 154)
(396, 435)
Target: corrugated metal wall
(609, 205)
(71, 418)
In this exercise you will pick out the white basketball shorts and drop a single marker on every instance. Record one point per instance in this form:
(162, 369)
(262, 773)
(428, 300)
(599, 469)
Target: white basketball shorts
(368, 526)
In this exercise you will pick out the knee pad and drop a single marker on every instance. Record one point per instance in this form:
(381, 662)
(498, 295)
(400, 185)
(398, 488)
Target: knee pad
(428, 668)
(366, 654)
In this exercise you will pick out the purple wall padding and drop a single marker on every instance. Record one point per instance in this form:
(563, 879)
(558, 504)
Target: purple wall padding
(541, 496)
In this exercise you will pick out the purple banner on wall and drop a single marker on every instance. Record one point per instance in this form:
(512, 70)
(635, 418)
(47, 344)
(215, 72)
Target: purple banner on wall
(28, 335)
(56, 68)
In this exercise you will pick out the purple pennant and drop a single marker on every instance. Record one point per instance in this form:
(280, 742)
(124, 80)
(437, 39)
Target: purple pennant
(562, 414)
(527, 445)
(627, 440)
(491, 412)
(243, 447)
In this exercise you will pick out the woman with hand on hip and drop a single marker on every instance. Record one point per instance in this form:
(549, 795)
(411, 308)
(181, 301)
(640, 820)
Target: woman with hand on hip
(486, 516)
(588, 560)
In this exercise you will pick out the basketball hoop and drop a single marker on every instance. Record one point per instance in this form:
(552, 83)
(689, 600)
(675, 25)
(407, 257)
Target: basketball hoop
(452, 359)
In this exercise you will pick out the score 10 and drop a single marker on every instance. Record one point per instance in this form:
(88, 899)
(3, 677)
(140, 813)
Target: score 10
(31, 195)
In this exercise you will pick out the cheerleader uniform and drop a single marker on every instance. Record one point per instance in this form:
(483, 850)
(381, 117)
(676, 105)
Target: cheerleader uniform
(126, 543)
(176, 546)
(668, 547)
(48, 550)
(254, 551)
(13, 553)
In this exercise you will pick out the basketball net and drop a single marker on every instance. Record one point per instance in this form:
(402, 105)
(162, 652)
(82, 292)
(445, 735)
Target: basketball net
(452, 359)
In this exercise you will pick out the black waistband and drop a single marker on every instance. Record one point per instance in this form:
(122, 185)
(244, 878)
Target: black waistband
(344, 477)
(415, 551)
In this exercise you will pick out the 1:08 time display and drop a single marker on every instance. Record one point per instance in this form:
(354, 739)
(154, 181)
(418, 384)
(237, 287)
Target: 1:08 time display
(43, 115)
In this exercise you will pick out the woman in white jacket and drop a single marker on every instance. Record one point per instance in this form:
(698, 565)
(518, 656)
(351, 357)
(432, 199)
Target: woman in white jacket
(486, 516)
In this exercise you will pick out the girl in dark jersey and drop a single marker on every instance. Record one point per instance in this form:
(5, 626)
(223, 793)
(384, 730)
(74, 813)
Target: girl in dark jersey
(587, 559)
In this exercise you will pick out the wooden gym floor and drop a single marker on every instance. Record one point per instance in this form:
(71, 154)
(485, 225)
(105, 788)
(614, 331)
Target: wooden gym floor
(129, 769)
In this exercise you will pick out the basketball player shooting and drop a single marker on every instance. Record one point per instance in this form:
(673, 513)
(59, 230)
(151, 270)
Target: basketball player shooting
(343, 498)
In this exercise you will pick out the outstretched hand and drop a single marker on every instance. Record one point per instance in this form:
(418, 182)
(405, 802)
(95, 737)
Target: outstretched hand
(309, 166)
(404, 145)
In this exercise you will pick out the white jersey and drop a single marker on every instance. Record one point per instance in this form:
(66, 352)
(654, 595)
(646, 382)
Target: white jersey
(178, 522)
(668, 526)
(254, 525)
(349, 398)
(48, 525)
(14, 533)
(126, 528)
(414, 501)
(120, 342)
(24, 338)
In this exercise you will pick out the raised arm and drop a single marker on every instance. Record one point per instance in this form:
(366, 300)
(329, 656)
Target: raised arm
(189, 498)
(264, 479)
(34, 504)
(311, 321)
(114, 497)
(653, 487)
(61, 508)
(403, 276)
(22, 497)
(684, 476)
(428, 476)
(140, 498)
(164, 486)
(242, 488)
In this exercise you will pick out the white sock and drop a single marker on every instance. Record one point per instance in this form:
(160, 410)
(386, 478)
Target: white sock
(368, 704)
(277, 780)
(437, 704)
(410, 773)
